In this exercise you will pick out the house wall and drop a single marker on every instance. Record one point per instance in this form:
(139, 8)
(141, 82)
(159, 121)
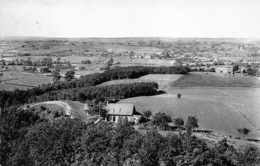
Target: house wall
(116, 118)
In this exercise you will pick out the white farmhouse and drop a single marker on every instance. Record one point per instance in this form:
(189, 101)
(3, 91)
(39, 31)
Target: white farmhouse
(124, 111)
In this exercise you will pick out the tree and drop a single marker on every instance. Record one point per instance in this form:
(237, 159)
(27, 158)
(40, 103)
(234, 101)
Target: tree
(179, 122)
(212, 70)
(53, 143)
(1, 75)
(250, 156)
(147, 114)
(161, 119)
(47, 62)
(69, 75)
(69, 65)
(56, 76)
(29, 61)
(235, 67)
(244, 131)
(148, 151)
(251, 71)
(58, 60)
(171, 149)
(192, 122)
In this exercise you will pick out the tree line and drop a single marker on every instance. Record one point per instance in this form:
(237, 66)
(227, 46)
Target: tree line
(100, 93)
(18, 97)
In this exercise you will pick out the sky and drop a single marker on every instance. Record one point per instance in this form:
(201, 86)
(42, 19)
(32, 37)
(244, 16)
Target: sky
(130, 18)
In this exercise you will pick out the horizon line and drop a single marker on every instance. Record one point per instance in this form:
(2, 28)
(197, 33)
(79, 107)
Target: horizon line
(128, 37)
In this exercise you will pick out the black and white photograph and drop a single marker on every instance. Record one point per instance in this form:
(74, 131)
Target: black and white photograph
(129, 82)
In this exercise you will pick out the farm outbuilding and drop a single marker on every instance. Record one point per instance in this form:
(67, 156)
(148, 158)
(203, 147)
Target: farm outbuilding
(124, 111)
(224, 70)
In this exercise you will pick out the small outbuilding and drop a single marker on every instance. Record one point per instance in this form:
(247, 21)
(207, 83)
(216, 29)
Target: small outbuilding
(124, 111)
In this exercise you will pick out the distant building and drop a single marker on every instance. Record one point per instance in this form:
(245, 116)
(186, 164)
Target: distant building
(224, 70)
(203, 59)
(78, 68)
(242, 68)
(148, 56)
(77, 76)
(190, 64)
(62, 65)
(138, 56)
(128, 111)
(42, 69)
(250, 60)
(110, 50)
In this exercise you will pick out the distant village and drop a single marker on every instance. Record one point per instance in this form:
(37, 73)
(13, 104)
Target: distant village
(217, 57)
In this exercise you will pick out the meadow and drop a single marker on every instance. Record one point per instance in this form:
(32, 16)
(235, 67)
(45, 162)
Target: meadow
(163, 80)
(222, 110)
(15, 78)
(216, 80)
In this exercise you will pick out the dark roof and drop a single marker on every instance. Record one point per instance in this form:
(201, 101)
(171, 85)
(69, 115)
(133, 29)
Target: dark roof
(122, 109)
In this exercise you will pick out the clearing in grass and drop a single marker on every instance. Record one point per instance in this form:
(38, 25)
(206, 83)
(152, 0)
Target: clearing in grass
(163, 80)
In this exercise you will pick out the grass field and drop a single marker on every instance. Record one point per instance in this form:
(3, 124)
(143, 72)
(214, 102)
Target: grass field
(83, 72)
(222, 110)
(156, 62)
(78, 47)
(76, 59)
(163, 80)
(216, 80)
(15, 78)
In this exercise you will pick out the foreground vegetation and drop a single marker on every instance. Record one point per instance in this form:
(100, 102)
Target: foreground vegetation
(29, 140)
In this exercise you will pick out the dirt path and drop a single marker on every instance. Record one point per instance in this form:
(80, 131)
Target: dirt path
(67, 108)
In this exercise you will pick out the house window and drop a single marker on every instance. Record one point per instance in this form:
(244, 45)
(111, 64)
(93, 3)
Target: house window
(114, 118)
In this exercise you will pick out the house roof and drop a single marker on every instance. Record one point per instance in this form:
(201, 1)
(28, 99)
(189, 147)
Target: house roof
(122, 109)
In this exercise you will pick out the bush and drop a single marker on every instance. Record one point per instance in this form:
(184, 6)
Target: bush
(161, 120)
(147, 114)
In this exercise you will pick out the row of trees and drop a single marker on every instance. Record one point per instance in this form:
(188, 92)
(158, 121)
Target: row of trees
(101, 93)
(44, 62)
(204, 69)
(21, 96)
(27, 140)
